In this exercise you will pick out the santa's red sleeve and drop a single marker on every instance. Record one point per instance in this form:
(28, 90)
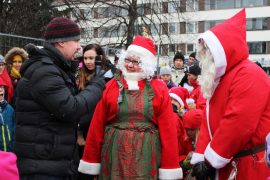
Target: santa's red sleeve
(240, 120)
(203, 140)
(90, 162)
(169, 165)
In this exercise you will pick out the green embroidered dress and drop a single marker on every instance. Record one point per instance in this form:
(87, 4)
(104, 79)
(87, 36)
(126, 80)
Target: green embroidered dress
(131, 148)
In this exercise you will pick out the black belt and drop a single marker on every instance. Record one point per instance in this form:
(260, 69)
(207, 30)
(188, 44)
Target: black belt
(250, 151)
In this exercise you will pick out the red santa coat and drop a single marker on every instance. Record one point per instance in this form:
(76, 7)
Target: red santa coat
(238, 113)
(196, 94)
(163, 117)
(184, 143)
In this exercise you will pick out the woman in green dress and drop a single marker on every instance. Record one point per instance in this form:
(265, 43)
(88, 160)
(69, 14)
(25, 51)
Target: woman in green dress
(132, 134)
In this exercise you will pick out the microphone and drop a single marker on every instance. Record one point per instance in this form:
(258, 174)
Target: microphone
(97, 64)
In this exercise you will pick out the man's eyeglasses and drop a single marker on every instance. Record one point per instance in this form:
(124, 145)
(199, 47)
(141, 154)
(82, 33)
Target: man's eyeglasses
(2, 64)
(134, 62)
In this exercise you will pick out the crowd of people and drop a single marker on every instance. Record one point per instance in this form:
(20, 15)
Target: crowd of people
(69, 117)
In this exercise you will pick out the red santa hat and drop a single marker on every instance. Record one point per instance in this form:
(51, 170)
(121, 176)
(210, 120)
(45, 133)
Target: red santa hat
(145, 49)
(192, 119)
(143, 46)
(227, 43)
(180, 94)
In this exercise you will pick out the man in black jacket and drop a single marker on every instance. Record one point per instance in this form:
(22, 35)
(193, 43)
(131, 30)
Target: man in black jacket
(49, 106)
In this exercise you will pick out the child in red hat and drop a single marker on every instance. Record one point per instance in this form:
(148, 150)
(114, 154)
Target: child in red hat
(192, 122)
(179, 95)
(7, 121)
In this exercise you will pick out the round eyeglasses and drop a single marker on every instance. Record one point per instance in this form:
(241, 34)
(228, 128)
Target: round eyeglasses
(134, 62)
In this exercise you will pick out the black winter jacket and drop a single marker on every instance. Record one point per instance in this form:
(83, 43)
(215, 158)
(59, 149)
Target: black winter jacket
(47, 111)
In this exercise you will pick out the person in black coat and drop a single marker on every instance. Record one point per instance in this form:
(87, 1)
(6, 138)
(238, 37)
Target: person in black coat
(49, 106)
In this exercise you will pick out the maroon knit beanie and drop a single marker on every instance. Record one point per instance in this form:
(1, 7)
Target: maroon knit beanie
(62, 29)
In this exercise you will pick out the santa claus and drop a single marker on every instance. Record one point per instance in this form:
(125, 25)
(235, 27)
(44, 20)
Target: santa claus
(231, 140)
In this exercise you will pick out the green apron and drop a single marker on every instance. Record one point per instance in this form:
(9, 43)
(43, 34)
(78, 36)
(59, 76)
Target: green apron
(131, 148)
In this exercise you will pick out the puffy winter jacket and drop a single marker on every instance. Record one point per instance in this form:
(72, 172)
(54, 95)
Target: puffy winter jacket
(47, 110)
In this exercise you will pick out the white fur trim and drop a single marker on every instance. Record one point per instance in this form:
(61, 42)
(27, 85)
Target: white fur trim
(177, 98)
(190, 101)
(170, 173)
(108, 74)
(217, 51)
(214, 158)
(132, 85)
(140, 51)
(196, 157)
(89, 168)
(207, 118)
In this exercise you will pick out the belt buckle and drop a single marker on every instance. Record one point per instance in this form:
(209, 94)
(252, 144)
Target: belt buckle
(234, 170)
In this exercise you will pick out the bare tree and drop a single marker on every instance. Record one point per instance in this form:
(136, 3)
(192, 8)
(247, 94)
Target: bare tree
(118, 21)
(27, 18)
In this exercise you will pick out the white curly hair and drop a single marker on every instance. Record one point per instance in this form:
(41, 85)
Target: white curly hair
(148, 60)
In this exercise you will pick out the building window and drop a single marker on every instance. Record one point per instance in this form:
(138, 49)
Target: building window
(164, 29)
(102, 12)
(124, 12)
(156, 8)
(85, 14)
(140, 10)
(123, 30)
(191, 27)
(257, 47)
(228, 4)
(190, 48)
(172, 49)
(257, 24)
(164, 7)
(164, 49)
(173, 6)
(155, 29)
(147, 8)
(209, 24)
(210, 4)
(85, 32)
(191, 5)
(173, 28)
(252, 3)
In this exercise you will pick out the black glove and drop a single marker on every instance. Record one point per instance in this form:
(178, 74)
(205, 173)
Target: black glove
(185, 165)
(203, 171)
(98, 78)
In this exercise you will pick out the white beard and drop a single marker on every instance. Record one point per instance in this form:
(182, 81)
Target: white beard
(132, 79)
(207, 78)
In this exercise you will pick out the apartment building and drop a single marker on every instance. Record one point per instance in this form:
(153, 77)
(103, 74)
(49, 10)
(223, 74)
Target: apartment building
(181, 23)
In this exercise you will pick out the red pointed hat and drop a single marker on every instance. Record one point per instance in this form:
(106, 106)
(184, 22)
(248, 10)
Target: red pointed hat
(143, 47)
(180, 94)
(144, 44)
(227, 42)
(192, 119)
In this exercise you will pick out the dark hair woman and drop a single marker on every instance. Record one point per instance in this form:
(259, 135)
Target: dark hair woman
(90, 52)
(88, 69)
